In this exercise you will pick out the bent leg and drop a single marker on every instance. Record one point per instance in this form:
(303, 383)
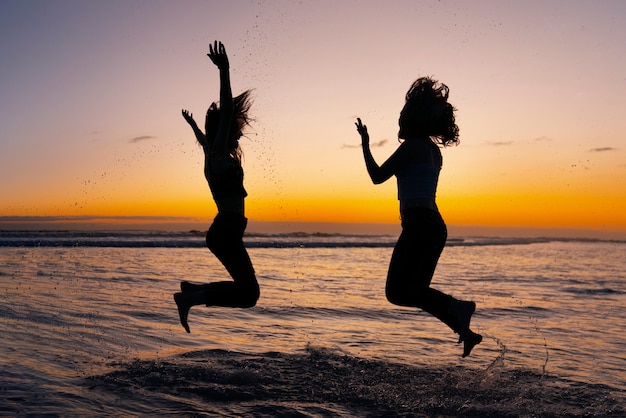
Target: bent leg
(411, 269)
(413, 264)
(225, 240)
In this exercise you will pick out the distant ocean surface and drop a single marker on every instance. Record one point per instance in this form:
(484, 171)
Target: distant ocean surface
(88, 327)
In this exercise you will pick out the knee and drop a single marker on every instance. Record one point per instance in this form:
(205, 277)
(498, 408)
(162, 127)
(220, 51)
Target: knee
(249, 297)
(396, 295)
(404, 295)
(248, 303)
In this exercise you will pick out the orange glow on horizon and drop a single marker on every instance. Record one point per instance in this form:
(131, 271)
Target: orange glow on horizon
(547, 211)
(119, 148)
(536, 211)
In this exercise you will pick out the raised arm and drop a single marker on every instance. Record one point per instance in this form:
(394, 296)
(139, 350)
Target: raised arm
(199, 135)
(217, 54)
(378, 174)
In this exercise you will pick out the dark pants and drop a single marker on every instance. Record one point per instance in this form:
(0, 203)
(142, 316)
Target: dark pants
(413, 264)
(225, 239)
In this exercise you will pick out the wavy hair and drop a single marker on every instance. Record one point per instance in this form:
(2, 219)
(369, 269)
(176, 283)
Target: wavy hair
(241, 107)
(427, 112)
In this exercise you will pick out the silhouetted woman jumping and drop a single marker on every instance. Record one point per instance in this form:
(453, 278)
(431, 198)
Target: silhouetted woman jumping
(426, 122)
(222, 169)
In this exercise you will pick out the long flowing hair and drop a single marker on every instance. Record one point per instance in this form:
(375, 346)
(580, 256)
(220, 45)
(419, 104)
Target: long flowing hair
(427, 112)
(241, 119)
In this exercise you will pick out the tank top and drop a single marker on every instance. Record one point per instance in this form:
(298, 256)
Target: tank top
(225, 177)
(417, 181)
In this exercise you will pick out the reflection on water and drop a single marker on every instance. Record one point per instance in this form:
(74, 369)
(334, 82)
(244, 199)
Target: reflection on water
(554, 310)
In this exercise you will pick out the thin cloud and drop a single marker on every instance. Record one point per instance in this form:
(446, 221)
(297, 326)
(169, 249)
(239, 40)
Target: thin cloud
(543, 139)
(603, 149)
(141, 138)
(376, 144)
(500, 143)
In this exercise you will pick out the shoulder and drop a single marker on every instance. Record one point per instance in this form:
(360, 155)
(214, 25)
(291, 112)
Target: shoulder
(415, 146)
(423, 150)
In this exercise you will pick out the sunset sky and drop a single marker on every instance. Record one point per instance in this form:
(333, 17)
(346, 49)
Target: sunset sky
(92, 92)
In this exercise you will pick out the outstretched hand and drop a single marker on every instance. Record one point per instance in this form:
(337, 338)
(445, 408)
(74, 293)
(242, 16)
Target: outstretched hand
(188, 116)
(362, 130)
(217, 53)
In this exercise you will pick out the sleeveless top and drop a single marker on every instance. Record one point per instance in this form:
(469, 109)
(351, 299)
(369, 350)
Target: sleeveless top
(417, 181)
(225, 176)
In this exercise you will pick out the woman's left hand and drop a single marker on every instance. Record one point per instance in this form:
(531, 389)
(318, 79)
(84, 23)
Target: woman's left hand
(217, 53)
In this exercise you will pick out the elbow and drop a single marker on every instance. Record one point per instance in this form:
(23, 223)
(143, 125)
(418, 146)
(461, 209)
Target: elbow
(377, 179)
(377, 175)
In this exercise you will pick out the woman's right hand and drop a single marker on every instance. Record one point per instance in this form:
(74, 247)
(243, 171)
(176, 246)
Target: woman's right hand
(362, 130)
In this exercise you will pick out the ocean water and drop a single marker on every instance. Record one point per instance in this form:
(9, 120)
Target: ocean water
(88, 327)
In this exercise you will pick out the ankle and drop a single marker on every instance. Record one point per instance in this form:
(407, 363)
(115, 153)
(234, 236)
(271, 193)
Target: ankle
(461, 311)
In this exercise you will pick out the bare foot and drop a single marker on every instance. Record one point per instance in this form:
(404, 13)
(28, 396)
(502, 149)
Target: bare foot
(470, 340)
(463, 312)
(183, 309)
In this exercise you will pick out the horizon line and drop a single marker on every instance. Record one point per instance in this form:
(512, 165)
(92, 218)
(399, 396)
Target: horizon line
(181, 223)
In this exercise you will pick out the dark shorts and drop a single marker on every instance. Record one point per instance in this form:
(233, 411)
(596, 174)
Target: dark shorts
(227, 227)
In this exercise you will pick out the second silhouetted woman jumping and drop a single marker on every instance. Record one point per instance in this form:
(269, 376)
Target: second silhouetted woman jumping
(426, 122)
